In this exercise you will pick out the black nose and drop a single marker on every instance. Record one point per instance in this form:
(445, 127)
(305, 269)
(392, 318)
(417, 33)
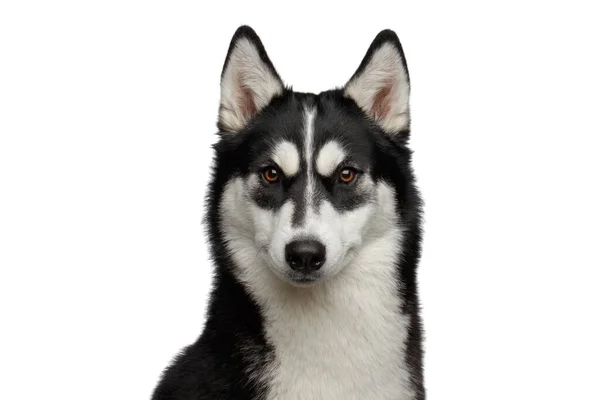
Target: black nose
(305, 255)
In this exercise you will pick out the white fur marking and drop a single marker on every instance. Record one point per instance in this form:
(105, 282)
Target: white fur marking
(287, 158)
(330, 157)
(309, 120)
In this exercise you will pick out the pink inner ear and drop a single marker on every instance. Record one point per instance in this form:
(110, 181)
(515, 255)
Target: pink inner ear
(245, 99)
(382, 102)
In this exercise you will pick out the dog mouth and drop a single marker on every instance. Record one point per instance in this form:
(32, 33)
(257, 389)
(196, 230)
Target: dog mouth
(303, 280)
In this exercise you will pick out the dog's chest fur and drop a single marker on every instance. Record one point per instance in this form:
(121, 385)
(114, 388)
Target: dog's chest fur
(344, 340)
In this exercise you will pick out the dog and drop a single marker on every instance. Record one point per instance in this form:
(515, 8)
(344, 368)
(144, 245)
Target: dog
(314, 223)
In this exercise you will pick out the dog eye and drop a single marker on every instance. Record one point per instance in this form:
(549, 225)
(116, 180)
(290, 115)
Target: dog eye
(347, 175)
(271, 175)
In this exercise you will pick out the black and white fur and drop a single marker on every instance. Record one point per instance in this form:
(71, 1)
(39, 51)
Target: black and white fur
(351, 329)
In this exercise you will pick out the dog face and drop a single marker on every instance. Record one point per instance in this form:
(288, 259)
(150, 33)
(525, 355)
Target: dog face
(304, 182)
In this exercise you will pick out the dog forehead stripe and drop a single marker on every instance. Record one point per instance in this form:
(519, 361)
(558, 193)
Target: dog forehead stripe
(330, 157)
(286, 155)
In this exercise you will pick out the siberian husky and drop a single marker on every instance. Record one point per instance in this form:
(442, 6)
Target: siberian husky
(313, 218)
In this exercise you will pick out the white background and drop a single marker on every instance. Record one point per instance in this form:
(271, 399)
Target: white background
(107, 114)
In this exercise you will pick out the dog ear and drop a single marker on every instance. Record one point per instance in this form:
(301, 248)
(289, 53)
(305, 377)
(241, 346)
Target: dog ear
(381, 85)
(248, 81)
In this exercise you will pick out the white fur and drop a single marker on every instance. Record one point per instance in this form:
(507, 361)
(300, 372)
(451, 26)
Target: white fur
(344, 338)
(385, 71)
(286, 156)
(246, 75)
(330, 157)
(309, 120)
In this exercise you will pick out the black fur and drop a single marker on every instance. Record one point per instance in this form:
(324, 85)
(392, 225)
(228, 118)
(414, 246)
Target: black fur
(217, 366)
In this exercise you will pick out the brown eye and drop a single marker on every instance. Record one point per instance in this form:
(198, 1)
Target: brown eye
(271, 174)
(347, 175)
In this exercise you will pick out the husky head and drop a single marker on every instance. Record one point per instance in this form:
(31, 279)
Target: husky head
(304, 184)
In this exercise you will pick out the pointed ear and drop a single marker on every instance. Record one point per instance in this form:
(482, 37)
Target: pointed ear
(381, 85)
(248, 81)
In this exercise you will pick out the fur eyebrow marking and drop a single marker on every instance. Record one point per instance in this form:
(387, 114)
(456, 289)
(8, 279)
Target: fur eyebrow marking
(330, 157)
(287, 157)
